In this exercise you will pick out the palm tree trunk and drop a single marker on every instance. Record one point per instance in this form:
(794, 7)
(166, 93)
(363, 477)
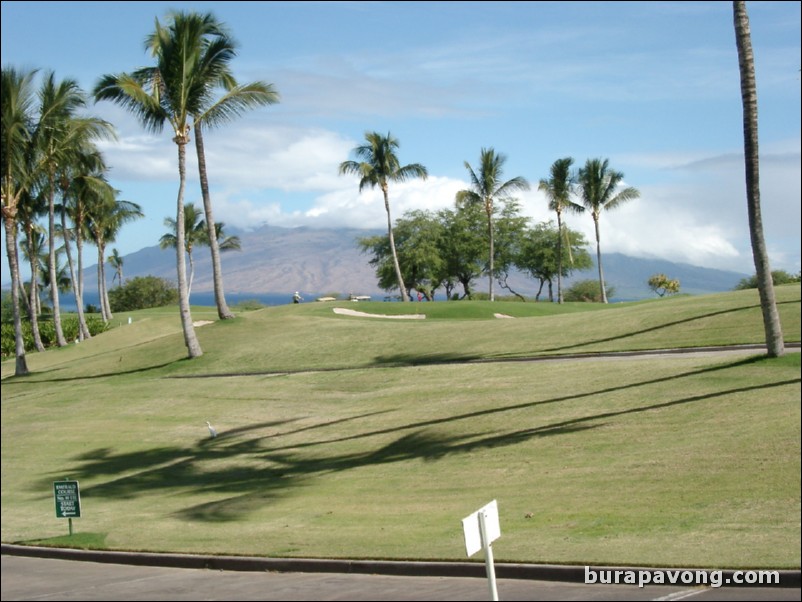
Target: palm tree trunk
(105, 307)
(191, 274)
(559, 258)
(190, 340)
(489, 210)
(33, 293)
(599, 261)
(396, 265)
(79, 245)
(83, 329)
(765, 285)
(51, 239)
(223, 312)
(10, 223)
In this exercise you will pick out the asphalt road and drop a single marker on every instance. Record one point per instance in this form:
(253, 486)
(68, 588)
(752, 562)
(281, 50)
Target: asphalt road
(26, 578)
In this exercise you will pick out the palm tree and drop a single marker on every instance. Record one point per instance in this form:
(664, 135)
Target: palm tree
(226, 243)
(84, 180)
(60, 136)
(105, 217)
(377, 166)
(765, 285)
(236, 99)
(172, 91)
(116, 262)
(31, 208)
(16, 120)
(559, 188)
(195, 233)
(487, 188)
(599, 186)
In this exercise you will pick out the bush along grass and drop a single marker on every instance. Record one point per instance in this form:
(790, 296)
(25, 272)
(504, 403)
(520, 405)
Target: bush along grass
(47, 331)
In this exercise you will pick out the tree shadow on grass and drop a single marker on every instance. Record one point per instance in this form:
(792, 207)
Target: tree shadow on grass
(579, 346)
(250, 472)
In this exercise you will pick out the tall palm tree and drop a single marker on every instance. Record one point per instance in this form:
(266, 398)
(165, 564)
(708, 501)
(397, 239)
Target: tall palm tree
(765, 284)
(172, 91)
(105, 217)
(59, 137)
(17, 101)
(194, 234)
(235, 100)
(84, 179)
(559, 188)
(378, 165)
(116, 262)
(599, 186)
(487, 187)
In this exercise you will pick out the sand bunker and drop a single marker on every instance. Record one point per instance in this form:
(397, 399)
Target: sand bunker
(502, 316)
(203, 322)
(350, 312)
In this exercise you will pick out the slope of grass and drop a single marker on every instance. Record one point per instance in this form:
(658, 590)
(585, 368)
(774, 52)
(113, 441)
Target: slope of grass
(365, 438)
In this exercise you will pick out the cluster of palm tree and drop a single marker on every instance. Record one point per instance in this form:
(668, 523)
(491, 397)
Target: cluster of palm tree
(52, 169)
(190, 87)
(599, 188)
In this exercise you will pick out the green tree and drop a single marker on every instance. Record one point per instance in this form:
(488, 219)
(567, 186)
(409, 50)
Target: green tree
(462, 246)
(777, 277)
(377, 165)
(116, 262)
(487, 187)
(105, 218)
(746, 62)
(214, 67)
(60, 136)
(17, 100)
(194, 232)
(588, 291)
(662, 285)
(600, 191)
(143, 292)
(559, 187)
(541, 250)
(510, 230)
(173, 91)
(417, 236)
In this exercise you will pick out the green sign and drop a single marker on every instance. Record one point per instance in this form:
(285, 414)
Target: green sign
(68, 499)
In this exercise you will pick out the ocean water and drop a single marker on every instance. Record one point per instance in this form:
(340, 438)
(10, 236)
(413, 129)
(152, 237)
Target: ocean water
(67, 301)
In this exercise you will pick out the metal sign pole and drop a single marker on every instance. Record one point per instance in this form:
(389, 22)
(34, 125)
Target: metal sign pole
(488, 547)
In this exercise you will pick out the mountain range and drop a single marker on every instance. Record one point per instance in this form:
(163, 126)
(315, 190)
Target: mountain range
(276, 260)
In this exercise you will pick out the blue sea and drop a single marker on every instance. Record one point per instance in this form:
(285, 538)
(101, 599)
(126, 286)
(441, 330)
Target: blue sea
(67, 301)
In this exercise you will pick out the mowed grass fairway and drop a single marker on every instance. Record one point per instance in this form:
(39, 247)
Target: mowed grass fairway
(353, 437)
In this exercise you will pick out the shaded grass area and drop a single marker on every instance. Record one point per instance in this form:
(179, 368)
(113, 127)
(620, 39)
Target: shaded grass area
(686, 461)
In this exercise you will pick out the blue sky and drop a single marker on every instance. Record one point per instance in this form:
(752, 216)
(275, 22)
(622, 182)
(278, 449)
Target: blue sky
(651, 86)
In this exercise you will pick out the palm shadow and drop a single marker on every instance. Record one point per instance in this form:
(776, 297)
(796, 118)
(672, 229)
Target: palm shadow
(249, 472)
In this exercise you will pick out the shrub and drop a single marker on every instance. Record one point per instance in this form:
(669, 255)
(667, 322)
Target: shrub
(588, 291)
(777, 276)
(143, 292)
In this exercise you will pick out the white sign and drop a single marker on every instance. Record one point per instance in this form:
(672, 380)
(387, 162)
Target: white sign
(473, 532)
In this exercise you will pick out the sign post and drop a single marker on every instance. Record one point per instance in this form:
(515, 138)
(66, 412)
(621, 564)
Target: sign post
(481, 529)
(68, 500)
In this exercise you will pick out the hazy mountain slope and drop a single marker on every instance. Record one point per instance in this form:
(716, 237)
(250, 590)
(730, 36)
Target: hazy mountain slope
(281, 260)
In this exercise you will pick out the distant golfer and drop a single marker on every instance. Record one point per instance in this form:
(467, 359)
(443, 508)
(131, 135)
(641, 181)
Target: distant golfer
(296, 298)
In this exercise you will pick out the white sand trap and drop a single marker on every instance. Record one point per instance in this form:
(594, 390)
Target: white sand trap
(361, 314)
(503, 316)
(203, 322)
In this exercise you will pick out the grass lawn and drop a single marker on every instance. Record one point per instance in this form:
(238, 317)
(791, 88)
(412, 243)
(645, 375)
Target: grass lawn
(349, 437)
